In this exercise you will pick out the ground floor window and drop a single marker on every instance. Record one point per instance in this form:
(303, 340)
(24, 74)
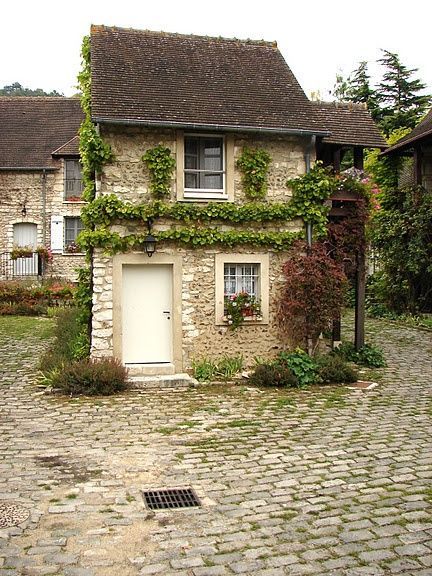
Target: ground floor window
(72, 227)
(242, 279)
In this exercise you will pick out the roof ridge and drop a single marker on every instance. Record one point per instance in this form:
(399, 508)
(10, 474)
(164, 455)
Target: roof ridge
(336, 104)
(50, 98)
(97, 28)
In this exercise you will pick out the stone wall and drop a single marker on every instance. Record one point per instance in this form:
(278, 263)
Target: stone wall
(202, 335)
(127, 175)
(19, 188)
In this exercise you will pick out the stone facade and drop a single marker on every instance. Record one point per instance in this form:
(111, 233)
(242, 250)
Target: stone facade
(202, 334)
(33, 197)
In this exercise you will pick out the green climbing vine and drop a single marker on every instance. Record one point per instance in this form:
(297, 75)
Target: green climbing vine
(160, 164)
(310, 191)
(113, 242)
(93, 150)
(254, 164)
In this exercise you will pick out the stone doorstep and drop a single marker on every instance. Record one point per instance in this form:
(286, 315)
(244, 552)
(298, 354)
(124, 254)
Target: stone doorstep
(165, 381)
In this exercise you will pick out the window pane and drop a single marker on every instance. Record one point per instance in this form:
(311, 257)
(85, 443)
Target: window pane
(241, 278)
(212, 181)
(191, 153)
(191, 180)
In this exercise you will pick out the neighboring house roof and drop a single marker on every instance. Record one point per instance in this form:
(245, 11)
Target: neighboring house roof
(422, 131)
(33, 127)
(350, 124)
(164, 79)
(71, 148)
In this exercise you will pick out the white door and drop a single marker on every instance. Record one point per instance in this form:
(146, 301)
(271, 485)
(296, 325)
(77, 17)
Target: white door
(147, 314)
(25, 235)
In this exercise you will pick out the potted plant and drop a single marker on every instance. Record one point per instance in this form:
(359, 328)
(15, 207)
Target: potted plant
(21, 252)
(239, 306)
(72, 248)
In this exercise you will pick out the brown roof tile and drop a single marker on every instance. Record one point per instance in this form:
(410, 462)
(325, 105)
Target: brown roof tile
(173, 79)
(421, 131)
(350, 124)
(31, 128)
(71, 148)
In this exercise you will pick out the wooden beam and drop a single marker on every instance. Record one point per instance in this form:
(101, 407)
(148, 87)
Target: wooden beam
(358, 157)
(359, 338)
(418, 161)
(336, 160)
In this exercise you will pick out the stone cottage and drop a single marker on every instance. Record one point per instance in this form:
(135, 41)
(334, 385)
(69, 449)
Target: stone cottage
(40, 185)
(206, 100)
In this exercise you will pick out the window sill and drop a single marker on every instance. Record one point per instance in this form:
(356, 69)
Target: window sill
(72, 253)
(74, 202)
(246, 319)
(204, 198)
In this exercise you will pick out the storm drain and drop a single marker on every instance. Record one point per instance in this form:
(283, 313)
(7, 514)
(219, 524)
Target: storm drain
(171, 498)
(12, 514)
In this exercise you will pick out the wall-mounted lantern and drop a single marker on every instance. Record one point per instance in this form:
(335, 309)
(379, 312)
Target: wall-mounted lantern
(149, 241)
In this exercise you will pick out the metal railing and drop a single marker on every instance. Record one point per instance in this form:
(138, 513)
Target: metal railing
(15, 268)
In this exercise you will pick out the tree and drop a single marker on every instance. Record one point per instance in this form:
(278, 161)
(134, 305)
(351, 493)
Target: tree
(400, 104)
(16, 89)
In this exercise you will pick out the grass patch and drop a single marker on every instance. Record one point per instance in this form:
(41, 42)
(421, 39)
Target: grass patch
(19, 327)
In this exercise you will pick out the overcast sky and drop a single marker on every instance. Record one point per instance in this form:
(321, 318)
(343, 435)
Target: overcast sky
(40, 39)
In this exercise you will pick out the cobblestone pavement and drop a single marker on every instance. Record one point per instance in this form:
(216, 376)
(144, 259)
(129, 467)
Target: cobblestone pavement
(325, 481)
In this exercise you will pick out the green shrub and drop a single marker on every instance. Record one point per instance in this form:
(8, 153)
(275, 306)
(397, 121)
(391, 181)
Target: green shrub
(273, 375)
(223, 368)
(302, 366)
(204, 370)
(368, 355)
(22, 309)
(92, 377)
(70, 340)
(333, 369)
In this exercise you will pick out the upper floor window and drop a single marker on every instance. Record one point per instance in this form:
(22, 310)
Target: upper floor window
(204, 166)
(73, 184)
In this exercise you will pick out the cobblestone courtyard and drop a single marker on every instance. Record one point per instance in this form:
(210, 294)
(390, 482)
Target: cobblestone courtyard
(325, 481)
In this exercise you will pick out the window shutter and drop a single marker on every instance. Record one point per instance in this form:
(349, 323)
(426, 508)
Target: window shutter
(57, 234)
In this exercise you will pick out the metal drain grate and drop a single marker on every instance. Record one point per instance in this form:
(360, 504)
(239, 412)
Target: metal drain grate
(12, 514)
(171, 498)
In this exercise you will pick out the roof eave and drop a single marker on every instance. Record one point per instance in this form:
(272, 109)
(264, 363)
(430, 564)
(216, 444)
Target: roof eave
(214, 127)
(28, 168)
(407, 144)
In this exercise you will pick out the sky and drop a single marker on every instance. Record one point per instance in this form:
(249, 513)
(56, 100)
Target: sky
(40, 39)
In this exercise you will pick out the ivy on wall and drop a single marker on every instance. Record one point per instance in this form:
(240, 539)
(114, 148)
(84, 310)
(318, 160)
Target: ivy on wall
(160, 164)
(194, 236)
(254, 164)
(94, 151)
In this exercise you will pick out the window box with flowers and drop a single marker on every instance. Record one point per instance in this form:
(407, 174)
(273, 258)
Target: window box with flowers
(21, 252)
(241, 289)
(240, 307)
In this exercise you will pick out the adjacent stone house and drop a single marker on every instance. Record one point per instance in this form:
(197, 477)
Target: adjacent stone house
(206, 99)
(418, 146)
(40, 185)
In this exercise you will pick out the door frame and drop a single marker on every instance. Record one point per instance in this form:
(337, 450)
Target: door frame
(175, 261)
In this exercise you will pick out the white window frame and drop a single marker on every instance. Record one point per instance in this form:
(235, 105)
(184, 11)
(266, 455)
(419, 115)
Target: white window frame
(262, 261)
(205, 194)
(65, 219)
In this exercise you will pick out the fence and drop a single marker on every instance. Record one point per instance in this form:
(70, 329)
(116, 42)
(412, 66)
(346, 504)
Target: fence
(15, 268)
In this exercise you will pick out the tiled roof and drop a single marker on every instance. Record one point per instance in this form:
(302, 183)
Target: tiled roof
(349, 124)
(71, 148)
(157, 78)
(421, 131)
(31, 128)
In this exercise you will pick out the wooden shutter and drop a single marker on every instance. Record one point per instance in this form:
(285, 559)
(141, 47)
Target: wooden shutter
(57, 234)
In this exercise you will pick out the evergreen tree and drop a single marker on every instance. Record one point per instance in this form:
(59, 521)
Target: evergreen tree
(16, 89)
(360, 90)
(400, 104)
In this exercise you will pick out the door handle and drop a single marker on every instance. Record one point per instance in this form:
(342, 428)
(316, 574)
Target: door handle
(168, 314)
